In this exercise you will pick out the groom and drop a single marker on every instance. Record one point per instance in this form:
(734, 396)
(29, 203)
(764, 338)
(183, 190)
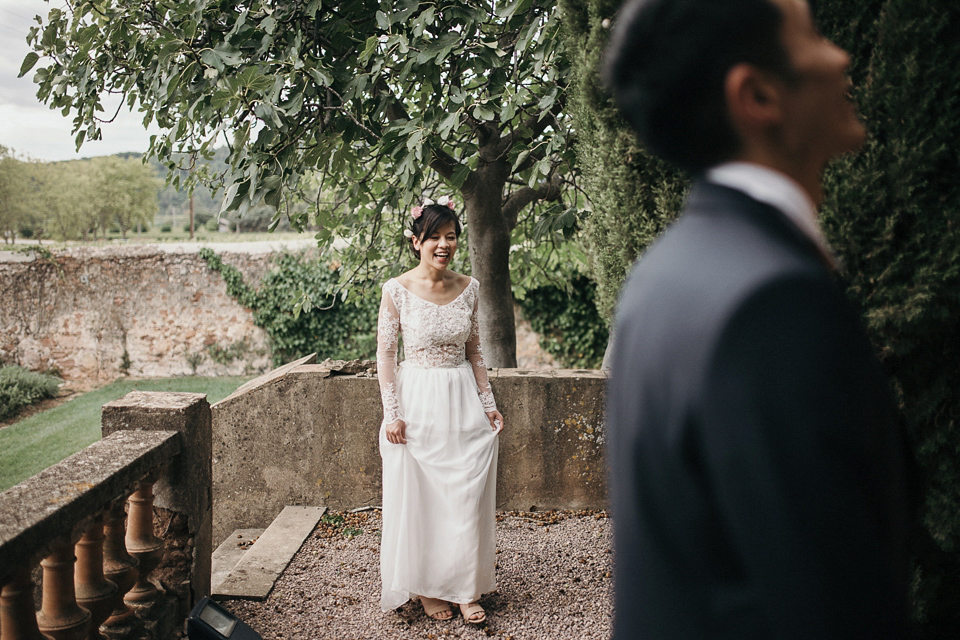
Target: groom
(759, 478)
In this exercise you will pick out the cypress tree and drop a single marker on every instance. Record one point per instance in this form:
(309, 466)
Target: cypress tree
(892, 214)
(633, 196)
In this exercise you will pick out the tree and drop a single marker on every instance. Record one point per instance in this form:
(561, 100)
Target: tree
(891, 214)
(11, 190)
(126, 192)
(386, 100)
(633, 196)
(65, 197)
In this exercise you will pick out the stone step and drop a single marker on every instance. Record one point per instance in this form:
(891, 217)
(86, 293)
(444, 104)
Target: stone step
(228, 554)
(258, 567)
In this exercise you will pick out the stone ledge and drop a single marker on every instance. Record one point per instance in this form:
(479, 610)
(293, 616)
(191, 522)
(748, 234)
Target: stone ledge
(58, 502)
(309, 437)
(267, 378)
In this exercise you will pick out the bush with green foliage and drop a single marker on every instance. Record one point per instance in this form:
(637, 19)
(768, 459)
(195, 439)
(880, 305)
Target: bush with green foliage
(570, 328)
(166, 227)
(892, 214)
(330, 326)
(21, 387)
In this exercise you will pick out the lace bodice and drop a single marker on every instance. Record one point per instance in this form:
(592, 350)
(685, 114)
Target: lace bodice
(434, 335)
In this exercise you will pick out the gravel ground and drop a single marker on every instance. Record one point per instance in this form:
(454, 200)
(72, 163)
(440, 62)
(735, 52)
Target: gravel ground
(553, 573)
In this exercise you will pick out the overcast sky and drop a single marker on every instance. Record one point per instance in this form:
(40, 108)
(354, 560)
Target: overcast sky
(31, 128)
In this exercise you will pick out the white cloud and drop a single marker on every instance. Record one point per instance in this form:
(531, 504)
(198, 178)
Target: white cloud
(30, 127)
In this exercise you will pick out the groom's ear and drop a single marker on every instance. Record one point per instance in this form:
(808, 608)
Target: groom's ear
(753, 99)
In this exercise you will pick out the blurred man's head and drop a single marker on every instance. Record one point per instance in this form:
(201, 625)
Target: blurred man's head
(705, 81)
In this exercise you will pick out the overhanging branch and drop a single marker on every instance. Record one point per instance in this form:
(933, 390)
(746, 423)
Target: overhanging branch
(549, 190)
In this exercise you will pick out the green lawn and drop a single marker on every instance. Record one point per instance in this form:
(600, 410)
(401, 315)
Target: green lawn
(33, 444)
(154, 235)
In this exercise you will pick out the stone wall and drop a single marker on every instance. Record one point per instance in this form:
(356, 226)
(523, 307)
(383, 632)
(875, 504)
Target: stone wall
(302, 435)
(82, 312)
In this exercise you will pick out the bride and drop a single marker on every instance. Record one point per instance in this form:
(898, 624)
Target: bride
(438, 439)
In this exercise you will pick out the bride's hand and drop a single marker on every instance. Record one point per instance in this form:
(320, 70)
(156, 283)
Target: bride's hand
(496, 421)
(397, 432)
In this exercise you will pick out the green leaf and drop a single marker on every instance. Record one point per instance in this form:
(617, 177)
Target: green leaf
(460, 175)
(28, 62)
(369, 49)
(85, 36)
(448, 123)
(483, 112)
(321, 77)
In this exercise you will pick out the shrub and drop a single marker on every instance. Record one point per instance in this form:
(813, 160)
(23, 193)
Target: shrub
(633, 196)
(166, 227)
(570, 328)
(20, 388)
(227, 354)
(212, 225)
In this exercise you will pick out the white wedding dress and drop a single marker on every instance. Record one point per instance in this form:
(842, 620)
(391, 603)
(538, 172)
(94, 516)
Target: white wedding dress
(439, 489)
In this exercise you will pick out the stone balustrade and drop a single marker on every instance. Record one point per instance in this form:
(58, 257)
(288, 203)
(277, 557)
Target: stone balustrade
(101, 578)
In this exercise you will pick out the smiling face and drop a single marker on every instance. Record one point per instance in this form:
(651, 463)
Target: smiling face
(820, 121)
(437, 249)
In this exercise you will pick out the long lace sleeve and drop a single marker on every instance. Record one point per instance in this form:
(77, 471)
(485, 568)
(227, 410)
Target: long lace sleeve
(388, 331)
(475, 356)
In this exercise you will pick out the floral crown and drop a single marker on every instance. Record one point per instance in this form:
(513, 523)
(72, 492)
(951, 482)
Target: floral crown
(417, 211)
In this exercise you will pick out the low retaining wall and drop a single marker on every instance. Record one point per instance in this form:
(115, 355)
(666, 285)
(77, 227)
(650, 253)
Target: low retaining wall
(302, 435)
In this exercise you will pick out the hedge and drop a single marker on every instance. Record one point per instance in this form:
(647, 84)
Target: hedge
(892, 214)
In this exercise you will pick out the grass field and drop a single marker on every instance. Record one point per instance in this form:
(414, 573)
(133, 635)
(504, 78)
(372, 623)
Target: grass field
(33, 444)
(154, 236)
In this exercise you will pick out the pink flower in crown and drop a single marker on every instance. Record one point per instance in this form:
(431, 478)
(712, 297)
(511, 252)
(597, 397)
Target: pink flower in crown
(416, 212)
(445, 201)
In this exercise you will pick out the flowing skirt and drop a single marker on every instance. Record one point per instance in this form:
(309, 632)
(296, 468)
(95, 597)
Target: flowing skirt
(439, 491)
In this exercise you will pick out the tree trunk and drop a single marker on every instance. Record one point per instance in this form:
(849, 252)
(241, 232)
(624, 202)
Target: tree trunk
(490, 261)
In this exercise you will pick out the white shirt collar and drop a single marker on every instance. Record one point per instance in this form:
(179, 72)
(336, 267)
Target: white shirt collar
(777, 190)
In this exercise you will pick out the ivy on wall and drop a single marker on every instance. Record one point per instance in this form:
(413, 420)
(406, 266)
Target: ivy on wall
(333, 328)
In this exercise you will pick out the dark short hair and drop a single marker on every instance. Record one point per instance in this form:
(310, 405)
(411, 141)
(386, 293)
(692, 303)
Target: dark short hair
(433, 217)
(667, 64)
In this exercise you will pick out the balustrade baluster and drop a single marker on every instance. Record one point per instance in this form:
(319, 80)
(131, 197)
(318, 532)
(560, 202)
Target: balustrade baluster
(94, 592)
(143, 545)
(60, 617)
(18, 619)
(120, 568)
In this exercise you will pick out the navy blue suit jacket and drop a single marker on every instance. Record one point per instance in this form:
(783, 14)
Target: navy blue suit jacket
(758, 474)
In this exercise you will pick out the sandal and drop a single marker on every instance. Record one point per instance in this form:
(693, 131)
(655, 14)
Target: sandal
(473, 612)
(436, 608)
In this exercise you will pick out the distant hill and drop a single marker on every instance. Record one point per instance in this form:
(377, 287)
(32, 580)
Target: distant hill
(176, 202)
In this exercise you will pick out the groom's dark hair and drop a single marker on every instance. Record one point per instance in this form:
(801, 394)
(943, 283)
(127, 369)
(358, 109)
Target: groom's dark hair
(667, 63)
